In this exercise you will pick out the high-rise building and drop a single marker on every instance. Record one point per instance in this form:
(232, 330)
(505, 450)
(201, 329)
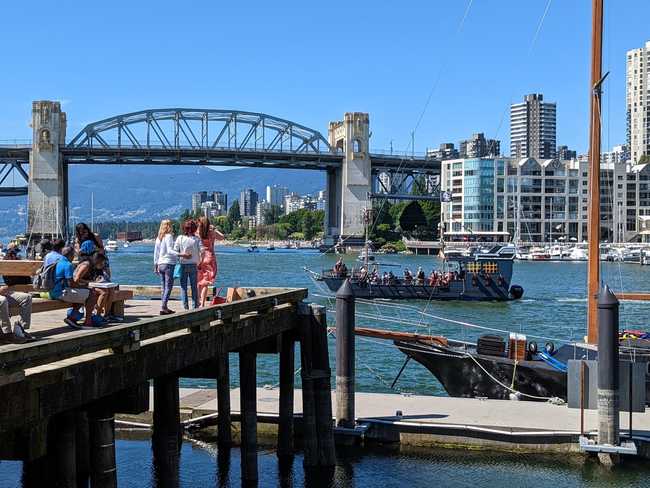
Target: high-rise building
(248, 202)
(198, 198)
(275, 195)
(478, 147)
(563, 153)
(637, 98)
(445, 151)
(220, 198)
(533, 128)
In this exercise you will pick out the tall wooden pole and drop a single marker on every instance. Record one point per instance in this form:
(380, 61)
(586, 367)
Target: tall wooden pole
(593, 276)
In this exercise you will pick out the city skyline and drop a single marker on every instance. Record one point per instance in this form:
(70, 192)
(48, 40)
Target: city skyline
(392, 80)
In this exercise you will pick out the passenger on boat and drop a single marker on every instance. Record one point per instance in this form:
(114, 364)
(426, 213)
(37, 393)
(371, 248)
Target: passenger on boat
(408, 277)
(420, 276)
(68, 288)
(391, 278)
(433, 278)
(385, 278)
(363, 274)
(338, 267)
(374, 277)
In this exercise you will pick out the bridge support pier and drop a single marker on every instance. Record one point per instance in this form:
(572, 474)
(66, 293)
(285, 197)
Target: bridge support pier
(63, 451)
(354, 180)
(47, 210)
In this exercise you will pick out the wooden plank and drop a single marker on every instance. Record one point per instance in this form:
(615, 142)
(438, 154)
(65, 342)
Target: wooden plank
(642, 296)
(55, 349)
(19, 267)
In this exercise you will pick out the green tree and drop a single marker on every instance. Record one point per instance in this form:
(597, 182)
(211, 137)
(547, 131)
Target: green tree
(234, 213)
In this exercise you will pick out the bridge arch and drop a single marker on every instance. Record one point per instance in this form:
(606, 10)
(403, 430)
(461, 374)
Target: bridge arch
(208, 129)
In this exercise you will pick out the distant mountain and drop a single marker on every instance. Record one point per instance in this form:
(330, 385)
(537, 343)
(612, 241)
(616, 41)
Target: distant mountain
(153, 192)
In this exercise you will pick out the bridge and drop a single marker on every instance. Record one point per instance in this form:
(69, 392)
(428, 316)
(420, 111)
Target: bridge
(185, 136)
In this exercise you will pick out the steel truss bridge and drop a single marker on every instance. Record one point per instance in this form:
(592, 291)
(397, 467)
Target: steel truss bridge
(181, 136)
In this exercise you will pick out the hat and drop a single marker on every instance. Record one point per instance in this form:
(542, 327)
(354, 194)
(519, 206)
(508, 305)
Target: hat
(87, 248)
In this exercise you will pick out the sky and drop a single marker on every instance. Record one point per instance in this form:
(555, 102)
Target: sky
(443, 69)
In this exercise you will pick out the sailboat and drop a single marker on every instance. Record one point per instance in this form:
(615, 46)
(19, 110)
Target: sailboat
(512, 367)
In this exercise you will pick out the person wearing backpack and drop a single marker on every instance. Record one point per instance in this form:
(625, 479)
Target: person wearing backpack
(55, 254)
(23, 301)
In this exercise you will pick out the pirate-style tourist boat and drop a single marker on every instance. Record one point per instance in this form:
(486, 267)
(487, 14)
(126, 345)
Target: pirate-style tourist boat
(483, 275)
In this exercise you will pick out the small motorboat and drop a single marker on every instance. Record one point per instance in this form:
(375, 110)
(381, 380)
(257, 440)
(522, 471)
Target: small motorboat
(111, 245)
(252, 248)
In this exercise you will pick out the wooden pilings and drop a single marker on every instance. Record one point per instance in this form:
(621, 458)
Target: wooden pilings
(63, 450)
(316, 388)
(224, 434)
(248, 392)
(101, 428)
(167, 432)
(287, 364)
(345, 356)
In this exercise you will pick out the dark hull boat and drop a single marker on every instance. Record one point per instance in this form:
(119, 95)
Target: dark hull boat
(484, 276)
(464, 372)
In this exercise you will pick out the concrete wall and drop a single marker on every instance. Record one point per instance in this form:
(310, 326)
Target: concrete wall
(47, 207)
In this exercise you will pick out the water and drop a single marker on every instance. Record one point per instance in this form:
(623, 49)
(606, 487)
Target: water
(553, 307)
(203, 466)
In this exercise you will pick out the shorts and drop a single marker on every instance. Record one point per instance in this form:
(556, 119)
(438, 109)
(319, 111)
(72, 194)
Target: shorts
(75, 295)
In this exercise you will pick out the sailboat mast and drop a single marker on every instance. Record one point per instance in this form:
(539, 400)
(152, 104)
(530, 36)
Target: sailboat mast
(593, 274)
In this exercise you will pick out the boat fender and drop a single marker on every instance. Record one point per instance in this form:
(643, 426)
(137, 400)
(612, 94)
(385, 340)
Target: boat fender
(515, 396)
(516, 292)
(532, 347)
(549, 348)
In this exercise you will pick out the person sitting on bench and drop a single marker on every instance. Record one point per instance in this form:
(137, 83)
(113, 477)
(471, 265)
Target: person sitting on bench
(23, 301)
(90, 270)
(69, 288)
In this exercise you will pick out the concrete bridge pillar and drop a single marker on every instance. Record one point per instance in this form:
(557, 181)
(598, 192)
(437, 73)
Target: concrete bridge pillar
(348, 187)
(48, 179)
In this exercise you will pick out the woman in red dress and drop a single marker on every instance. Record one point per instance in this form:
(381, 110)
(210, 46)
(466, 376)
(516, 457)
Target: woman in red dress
(208, 262)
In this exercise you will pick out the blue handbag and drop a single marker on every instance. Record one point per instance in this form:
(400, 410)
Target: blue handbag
(177, 271)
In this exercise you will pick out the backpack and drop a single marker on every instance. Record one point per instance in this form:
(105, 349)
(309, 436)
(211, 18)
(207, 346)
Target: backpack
(45, 278)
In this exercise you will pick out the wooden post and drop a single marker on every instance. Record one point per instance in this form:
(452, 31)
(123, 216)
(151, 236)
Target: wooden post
(101, 427)
(224, 435)
(322, 387)
(62, 451)
(310, 434)
(285, 427)
(83, 449)
(345, 356)
(36, 472)
(167, 434)
(248, 407)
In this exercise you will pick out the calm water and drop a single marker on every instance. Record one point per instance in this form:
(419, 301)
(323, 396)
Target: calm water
(553, 307)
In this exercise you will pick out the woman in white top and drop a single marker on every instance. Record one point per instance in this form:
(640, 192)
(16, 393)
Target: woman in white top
(188, 248)
(164, 260)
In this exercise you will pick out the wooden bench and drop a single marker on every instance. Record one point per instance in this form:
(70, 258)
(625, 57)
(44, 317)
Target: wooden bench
(47, 305)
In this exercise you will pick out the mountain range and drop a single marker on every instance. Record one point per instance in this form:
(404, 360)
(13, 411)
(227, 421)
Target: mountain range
(138, 193)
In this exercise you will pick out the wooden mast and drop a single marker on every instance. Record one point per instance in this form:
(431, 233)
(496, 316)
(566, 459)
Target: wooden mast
(593, 276)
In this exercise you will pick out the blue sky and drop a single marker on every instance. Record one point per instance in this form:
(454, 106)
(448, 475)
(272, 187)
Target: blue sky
(312, 61)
